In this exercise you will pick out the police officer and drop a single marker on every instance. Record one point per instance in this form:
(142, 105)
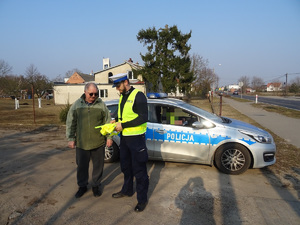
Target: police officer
(132, 123)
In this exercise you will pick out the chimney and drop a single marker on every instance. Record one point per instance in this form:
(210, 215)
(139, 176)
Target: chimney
(106, 63)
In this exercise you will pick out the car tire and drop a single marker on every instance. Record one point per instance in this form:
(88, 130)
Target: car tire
(111, 153)
(232, 159)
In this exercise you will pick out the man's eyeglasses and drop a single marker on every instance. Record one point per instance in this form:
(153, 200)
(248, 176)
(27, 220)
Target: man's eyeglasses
(96, 94)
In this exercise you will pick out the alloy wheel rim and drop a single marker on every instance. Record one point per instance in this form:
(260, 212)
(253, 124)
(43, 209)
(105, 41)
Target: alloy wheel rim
(233, 159)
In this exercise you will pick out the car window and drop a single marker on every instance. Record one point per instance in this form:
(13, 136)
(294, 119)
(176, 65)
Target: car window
(171, 115)
(113, 109)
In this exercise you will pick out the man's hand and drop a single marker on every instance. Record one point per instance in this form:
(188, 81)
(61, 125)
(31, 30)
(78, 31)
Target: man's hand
(109, 142)
(71, 144)
(118, 127)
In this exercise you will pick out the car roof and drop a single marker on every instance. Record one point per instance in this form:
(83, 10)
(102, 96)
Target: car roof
(171, 101)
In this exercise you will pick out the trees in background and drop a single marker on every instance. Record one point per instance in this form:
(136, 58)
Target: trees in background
(167, 62)
(12, 85)
(40, 83)
(204, 77)
(5, 68)
(295, 85)
(246, 83)
(257, 83)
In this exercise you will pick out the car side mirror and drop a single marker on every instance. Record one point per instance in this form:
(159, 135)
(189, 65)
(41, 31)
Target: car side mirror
(198, 125)
(202, 124)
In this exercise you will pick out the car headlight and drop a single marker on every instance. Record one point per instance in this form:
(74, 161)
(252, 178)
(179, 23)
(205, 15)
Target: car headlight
(259, 138)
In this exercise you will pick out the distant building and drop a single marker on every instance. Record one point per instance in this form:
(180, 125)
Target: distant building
(250, 90)
(274, 86)
(72, 89)
(79, 78)
(233, 87)
(103, 76)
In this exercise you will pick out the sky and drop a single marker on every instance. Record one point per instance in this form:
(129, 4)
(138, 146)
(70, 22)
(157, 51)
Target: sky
(253, 38)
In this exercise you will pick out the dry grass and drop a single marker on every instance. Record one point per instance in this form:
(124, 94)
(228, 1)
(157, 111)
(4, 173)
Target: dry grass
(26, 116)
(281, 110)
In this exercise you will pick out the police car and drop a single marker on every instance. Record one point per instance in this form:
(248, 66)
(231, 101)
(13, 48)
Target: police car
(180, 132)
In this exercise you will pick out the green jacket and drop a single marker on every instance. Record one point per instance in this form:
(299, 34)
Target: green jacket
(82, 120)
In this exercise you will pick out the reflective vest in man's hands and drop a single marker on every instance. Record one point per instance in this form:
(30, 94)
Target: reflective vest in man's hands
(108, 129)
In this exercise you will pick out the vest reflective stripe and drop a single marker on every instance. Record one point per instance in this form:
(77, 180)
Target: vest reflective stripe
(129, 114)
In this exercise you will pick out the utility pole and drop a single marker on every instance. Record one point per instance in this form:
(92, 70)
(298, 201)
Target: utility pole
(286, 91)
(33, 103)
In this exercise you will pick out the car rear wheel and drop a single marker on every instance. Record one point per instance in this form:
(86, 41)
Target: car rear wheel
(111, 153)
(232, 159)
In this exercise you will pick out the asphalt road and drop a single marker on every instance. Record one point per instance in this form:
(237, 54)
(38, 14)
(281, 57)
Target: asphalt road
(283, 126)
(288, 102)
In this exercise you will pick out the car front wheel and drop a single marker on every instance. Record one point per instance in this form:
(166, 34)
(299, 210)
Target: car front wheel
(232, 159)
(111, 153)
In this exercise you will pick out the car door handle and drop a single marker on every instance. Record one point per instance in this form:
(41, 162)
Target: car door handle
(161, 131)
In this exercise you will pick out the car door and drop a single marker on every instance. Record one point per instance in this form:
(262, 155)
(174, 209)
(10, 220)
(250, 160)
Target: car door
(174, 139)
(113, 109)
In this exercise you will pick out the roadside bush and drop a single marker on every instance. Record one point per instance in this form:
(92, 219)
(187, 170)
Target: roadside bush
(64, 112)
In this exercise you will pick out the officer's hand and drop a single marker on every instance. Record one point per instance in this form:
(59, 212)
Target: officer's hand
(119, 127)
(71, 144)
(112, 121)
(109, 142)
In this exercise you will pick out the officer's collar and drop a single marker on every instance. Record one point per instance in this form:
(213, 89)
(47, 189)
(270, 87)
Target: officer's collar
(129, 91)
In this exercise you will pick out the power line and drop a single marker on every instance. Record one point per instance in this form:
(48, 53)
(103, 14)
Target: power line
(282, 76)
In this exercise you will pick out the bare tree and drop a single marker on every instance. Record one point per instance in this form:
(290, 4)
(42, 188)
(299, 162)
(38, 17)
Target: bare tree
(295, 85)
(11, 85)
(205, 77)
(39, 82)
(257, 83)
(5, 68)
(59, 78)
(296, 81)
(246, 82)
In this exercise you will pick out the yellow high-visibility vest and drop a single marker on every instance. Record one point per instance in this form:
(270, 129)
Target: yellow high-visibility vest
(129, 114)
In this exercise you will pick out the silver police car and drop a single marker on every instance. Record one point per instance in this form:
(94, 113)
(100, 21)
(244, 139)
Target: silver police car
(180, 132)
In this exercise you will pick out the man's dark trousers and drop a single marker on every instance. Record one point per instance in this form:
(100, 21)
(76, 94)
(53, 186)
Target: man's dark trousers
(83, 159)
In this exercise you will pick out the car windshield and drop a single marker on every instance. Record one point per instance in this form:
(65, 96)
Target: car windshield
(202, 112)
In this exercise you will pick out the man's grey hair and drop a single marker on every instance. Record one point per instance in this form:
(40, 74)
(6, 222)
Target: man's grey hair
(87, 85)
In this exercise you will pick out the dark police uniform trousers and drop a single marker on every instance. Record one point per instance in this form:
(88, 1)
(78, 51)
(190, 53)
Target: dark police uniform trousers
(134, 157)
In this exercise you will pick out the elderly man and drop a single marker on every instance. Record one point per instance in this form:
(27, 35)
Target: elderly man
(86, 113)
(132, 123)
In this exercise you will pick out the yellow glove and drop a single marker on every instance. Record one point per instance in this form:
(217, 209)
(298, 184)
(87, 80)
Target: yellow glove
(108, 129)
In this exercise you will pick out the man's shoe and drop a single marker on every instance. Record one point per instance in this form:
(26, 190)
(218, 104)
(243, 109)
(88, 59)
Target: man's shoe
(120, 195)
(96, 191)
(80, 192)
(140, 207)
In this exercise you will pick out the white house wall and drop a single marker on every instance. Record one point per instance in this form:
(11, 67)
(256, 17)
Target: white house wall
(64, 94)
(69, 93)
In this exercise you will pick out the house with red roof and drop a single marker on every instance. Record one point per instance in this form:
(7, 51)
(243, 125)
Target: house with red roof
(276, 86)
